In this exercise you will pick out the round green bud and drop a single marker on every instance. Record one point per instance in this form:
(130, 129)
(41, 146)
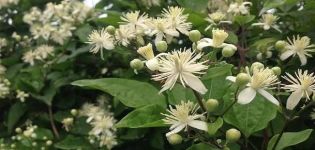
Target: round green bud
(268, 54)
(280, 45)
(232, 135)
(34, 144)
(18, 130)
(13, 146)
(242, 79)
(74, 112)
(136, 64)
(212, 105)
(110, 29)
(276, 70)
(228, 51)
(194, 35)
(256, 65)
(259, 56)
(161, 46)
(174, 139)
(49, 142)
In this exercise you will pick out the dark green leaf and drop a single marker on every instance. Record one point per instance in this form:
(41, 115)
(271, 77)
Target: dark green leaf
(202, 146)
(72, 142)
(15, 113)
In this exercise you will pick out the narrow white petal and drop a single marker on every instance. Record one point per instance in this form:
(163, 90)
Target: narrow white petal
(246, 95)
(176, 130)
(194, 82)
(294, 99)
(303, 59)
(286, 54)
(201, 125)
(152, 64)
(268, 96)
(231, 78)
(205, 42)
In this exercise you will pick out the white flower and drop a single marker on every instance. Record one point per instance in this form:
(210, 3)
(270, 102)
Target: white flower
(147, 52)
(216, 18)
(102, 125)
(21, 95)
(92, 112)
(217, 41)
(260, 80)
(239, 8)
(43, 51)
(100, 40)
(177, 18)
(181, 65)
(4, 87)
(162, 28)
(29, 57)
(298, 46)
(135, 20)
(2, 69)
(302, 85)
(268, 20)
(182, 116)
(124, 34)
(67, 123)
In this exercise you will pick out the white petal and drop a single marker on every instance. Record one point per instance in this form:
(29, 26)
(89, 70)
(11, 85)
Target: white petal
(201, 125)
(246, 95)
(194, 82)
(268, 96)
(294, 99)
(286, 54)
(205, 42)
(152, 64)
(231, 78)
(176, 130)
(303, 59)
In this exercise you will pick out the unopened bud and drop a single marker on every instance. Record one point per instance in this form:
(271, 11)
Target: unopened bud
(232, 135)
(110, 29)
(136, 64)
(161, 46)
(49, 142)
(174, 139)
(18, 130)
(280, 45)
(212, 105)
(276, 70)
(218, 37)
(242, 79)
(268, 54)
(259, 56)
(34, 144)
(257, 65)
(74, 112)
(152, 64)
(194, 35)
(228, 51)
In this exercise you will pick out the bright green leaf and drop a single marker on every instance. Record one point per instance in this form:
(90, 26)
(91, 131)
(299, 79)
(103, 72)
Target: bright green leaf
(215, 126)
(72, 142)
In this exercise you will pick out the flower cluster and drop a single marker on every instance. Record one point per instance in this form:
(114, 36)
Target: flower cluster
(6, 3)
(57, 21)
(102, 122)
(135, 26)
(41, 53)
(4, 83)
(239, 7)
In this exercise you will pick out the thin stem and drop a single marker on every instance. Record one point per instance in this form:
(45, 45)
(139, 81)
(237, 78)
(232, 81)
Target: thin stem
(199, 100)
(234, 102)
(52, 123)
(281, 133)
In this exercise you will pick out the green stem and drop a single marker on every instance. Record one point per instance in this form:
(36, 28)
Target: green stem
(234, 102)
(199, 100)
(281, 133)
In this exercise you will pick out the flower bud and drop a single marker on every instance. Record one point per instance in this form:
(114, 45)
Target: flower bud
(194, 35)
(257, 65)
(228, 51)
(276, 70)
(280, 45)
(242, 79)
(218, 37)
(34, 144)
(212, 105)
(259, 56)
(268, 54)
(161, 46)
(74, 112)
(110, 29)
(49, 142)
(18, 130)
(175, 139)
(152, 64)
(136, 64)
(232, 135)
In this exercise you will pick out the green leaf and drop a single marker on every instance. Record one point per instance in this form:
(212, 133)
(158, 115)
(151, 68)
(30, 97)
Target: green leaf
(289, 139)
(113, 18)
(83, 31)
(131, 93)
(251, 117)
(148, 116)
(42, 132)
(242, 20)
(215, 126)
(15, 113)
(179, 93)
(72, 142)
(196, 5)
(202, 146)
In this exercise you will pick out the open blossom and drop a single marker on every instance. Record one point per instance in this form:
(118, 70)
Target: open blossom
(215, 19)
(268, 21)
(217, 41)
(298, 46)
(147, 52)
(43, 51)
(100, 40)
(260, 80)
(162, 28)
(21, 95)
(178, 19)
(181, 65)
(302, 85)
(239, 8)
(182, 116)
(29, 57)
(124, 34)
(135, 20)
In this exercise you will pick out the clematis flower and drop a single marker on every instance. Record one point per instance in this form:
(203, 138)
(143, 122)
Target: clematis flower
(147, 53)
(162, 28)
(217, 41)
(268, 21)
(182, 116)
(135, 20)
(260, 80)
(100, 40)
(215, 19)
(302, 85)
(239, 8)
(178, 19)
(181, 65)
(298, 46)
